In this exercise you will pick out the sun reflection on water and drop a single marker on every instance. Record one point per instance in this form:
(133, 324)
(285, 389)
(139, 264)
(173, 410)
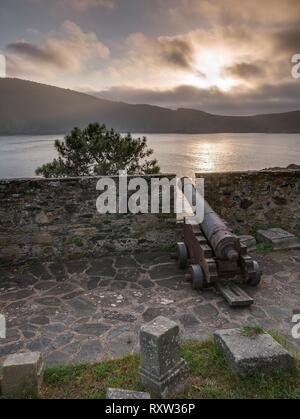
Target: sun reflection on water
(209, 155)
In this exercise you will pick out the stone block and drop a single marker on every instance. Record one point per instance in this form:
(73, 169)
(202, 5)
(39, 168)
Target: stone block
(278, 239)
(249, 355)
(22, 375)
(117, 394)
(162, 371)
(248, 241)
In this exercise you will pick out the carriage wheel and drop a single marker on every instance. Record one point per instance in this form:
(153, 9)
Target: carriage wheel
(258, 274)
(198, 279)
(182, 255)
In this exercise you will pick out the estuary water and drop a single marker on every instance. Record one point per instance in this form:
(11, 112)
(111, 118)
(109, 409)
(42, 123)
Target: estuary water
(176, 153)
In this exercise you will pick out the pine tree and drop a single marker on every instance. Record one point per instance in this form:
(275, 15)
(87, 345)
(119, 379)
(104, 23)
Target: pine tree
(96, 150)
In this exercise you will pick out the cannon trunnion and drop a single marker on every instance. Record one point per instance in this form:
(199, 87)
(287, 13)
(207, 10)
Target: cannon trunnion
(216, 257)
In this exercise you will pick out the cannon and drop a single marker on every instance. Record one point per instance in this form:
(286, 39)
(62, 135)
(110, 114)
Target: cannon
(216, 256)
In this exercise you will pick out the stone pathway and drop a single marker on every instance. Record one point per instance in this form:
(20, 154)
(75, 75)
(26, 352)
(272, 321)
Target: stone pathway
(87, 310)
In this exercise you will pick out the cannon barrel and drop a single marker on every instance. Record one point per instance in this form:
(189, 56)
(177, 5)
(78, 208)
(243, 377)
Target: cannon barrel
(224, 243)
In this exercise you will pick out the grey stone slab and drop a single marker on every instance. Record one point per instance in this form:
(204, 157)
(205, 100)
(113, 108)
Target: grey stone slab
(117, 394)
(162, 371)
(91, 350)
(82, 306)
(205, 311)
(278, 239)
(22, 375)
(152, 312)
(249, 355)
(94, 329)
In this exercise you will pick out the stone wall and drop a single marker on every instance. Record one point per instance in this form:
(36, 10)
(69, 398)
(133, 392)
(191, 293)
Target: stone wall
(250, 200)
(52, 219)
(46, 219)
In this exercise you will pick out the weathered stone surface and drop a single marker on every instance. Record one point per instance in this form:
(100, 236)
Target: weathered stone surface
(205, 311)
(96, 329)
(123, 311)
(82, 306)
(246, 199)
(248, 241)
(278, 239)
(117, 394)
(91, 350)
(162, 370)
(152, 312)
(22, 375)
(188, 320)
(49, 222)
(42, 238)
(249, 355)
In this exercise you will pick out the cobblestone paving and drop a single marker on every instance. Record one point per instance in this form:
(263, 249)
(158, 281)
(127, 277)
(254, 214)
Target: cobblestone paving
(87, 310)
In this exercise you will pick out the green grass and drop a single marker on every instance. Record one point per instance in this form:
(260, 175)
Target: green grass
(91, 381)
(77, 241)
(168, 248)
(252, 331)
(210, 378)
(263, 248)
(258, 227)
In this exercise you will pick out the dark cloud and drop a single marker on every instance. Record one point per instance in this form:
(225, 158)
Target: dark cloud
(36, 53)
(176, 52)
(245, 70)
(69, 50)
(287, 40)
(268, 98)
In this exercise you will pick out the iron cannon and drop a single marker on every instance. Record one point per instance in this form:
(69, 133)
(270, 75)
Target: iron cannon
(216, 256)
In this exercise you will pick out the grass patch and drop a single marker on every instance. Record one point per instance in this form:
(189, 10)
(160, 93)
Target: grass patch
(91, 381)
(210, 378)
(252, 331)
(77, 241)
(258, 227)
(264, 248)
(168, 248)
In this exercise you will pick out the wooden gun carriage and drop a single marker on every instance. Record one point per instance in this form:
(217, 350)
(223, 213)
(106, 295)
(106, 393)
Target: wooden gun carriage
(216, 257)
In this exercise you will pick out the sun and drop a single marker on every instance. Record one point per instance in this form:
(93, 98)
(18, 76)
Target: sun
(209, 71)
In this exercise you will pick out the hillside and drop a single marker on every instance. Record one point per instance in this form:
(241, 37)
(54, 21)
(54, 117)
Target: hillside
(33, 108)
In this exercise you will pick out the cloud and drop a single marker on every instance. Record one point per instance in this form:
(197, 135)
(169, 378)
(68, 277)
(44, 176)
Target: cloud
(174, 52)
(228, 12)
(287, 40)
(69, 50)
(245, 71)
(269, 98)
(37, 53)
(225, 56)
(83, 5)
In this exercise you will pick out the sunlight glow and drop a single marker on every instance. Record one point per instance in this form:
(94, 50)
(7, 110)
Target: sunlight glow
(209, 155)
(209, 71)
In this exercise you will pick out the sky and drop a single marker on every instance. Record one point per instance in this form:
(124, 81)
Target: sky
(228, 57)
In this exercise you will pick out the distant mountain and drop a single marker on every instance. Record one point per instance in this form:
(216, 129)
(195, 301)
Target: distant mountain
(33, 108)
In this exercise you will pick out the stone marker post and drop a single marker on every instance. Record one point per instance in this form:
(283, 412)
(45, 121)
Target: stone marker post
(22, 375)
(162, 371)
